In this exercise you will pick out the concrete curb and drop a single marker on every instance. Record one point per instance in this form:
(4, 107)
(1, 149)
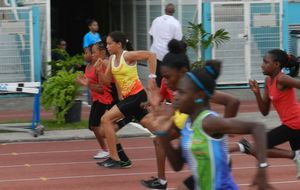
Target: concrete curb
(131, 130)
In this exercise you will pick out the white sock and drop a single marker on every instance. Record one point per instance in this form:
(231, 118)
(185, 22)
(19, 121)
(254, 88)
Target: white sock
(297, 153)
(162, 181)
(241, 147)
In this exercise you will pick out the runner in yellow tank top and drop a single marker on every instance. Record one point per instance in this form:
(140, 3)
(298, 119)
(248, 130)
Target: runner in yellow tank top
(126, 77)
(123, 69)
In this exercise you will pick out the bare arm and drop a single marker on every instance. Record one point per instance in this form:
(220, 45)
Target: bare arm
(264, 102)
(84, 81)
(213, 124)
(160, 122)
(231, 103)
(133, 56)
(288, 81)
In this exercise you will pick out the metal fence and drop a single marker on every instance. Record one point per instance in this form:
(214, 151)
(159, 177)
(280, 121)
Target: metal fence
(254, 28)
(16, 45)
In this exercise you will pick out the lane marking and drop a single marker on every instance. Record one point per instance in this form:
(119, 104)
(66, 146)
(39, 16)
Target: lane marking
(134, 160)
(274, 182)
(89, 150)
(87, 176)
(68, 151)
(127, 174)
(43, 178)
(70, 163)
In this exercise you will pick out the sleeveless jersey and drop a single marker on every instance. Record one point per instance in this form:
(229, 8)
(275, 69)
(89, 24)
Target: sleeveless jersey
(206, 156)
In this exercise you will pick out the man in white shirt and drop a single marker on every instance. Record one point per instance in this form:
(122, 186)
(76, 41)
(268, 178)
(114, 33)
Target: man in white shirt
(163, 29)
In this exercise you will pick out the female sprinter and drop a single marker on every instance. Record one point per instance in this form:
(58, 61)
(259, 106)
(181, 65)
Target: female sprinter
(103, 97)
(280, 91)
(202, 138)
(174, 66)
(122, 68)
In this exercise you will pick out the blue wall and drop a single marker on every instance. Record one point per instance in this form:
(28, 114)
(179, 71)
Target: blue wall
(290, 16)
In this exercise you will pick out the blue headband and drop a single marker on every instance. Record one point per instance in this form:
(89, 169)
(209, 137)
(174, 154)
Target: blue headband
(210, 70)
(198, 83)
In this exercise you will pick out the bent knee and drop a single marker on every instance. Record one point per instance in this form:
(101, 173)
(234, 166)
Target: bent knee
(105, 119)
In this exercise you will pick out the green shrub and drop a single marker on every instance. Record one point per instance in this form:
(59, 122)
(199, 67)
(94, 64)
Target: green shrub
(65, 62)
(59, 92)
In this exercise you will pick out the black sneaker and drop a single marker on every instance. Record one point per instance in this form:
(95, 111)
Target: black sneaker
(154, 183)
(246, 145)
(102, 163)
(114, 164)
(126, 164)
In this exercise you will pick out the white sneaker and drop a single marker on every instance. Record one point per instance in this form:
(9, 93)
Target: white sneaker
(101, 154)
(297, 162)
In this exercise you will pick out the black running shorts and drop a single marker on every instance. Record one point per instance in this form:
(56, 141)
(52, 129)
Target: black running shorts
(97, 111)
(283, 134)
(131, 106)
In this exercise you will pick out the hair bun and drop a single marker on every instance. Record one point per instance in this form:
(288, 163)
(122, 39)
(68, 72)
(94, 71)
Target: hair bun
(176, 46)
(213, 67)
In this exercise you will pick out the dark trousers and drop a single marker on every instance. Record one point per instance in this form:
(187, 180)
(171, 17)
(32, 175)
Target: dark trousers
(158, 75)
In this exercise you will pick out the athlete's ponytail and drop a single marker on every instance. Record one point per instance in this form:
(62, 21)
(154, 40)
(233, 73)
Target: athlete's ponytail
(292, 66)
(128, 46)
(288, 63)
(120, 37)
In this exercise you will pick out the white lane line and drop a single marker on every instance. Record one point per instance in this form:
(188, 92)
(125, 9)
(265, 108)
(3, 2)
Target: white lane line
(89, 176)
(87, 150)
(134, 160)
(67, 163)
(115, 175)
(274, 182)
(67, 151)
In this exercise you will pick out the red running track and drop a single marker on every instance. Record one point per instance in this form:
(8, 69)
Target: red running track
(68, 165)
(26, 115)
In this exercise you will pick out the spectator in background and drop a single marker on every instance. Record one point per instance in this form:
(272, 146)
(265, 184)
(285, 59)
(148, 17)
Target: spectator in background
(58, 53)
(92, 36)
(163, 29)
(60, 50)
(89, 39)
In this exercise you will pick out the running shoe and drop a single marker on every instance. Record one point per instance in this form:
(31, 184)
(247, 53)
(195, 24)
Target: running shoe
(154, 183)
(246, 145)
(114, 164)
(297, 162)
(101, 154)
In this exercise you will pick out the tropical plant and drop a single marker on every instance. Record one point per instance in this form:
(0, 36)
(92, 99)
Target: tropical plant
(197, 36)
(65, 61)
(59, 92)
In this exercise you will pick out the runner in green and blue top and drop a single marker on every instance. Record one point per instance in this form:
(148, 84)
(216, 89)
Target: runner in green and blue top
(206, 156)
(203, 137)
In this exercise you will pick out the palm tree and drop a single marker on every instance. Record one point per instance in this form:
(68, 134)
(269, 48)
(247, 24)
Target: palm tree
(197, 36)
